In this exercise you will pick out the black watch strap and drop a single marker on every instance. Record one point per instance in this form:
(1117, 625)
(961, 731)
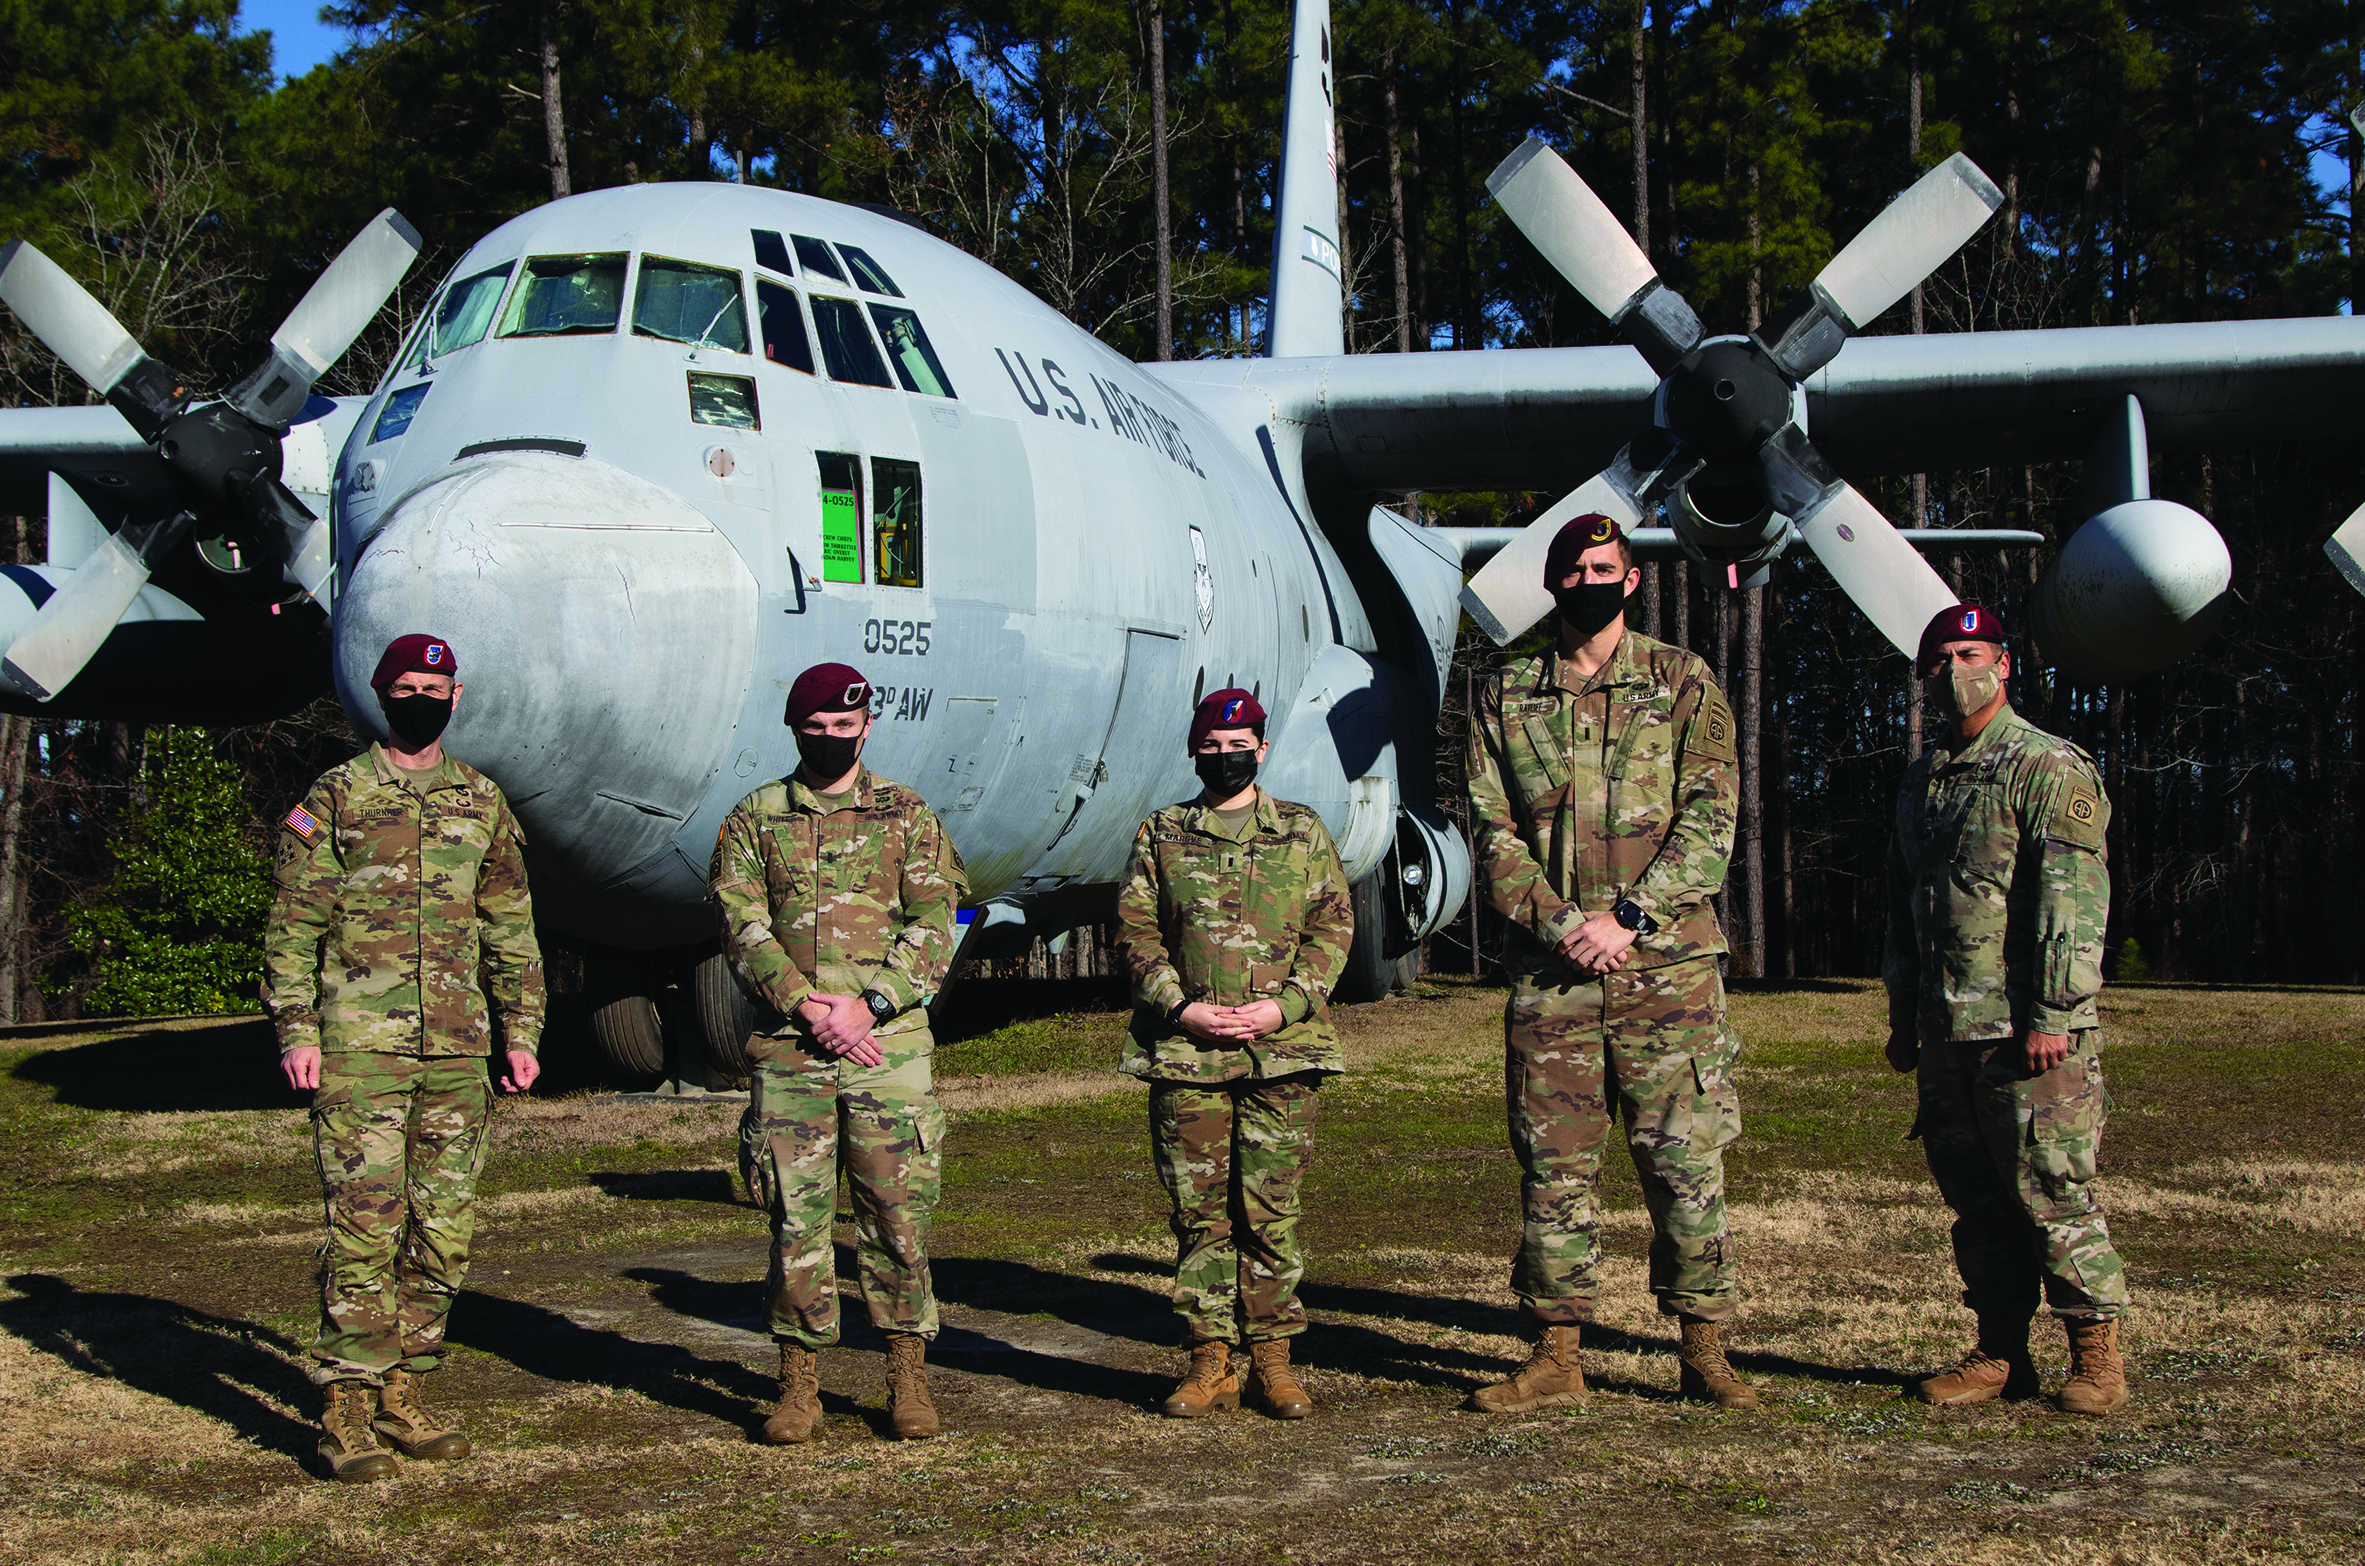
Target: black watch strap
(880, 1006)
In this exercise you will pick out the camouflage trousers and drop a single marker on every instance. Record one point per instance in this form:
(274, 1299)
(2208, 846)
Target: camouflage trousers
(811, 1115)
(1652, 1047)
(1233, 1156)
(400, 1140)
(2013, 1154)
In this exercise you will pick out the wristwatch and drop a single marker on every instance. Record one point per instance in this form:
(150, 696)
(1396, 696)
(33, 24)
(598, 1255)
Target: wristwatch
(1630, 916)
(880, 1006)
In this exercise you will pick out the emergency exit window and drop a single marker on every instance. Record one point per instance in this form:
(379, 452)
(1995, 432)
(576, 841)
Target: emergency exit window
(895, 520)
(841, 516)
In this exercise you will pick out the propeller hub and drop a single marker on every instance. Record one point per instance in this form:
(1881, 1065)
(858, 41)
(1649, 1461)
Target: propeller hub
(1725, 399)
(215, 452)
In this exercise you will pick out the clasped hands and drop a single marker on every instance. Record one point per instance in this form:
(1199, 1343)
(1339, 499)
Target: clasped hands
(1231, 1024)
(841, 1024)
(1599, 945)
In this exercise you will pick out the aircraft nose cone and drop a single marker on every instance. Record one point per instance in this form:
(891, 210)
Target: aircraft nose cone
(605, 634)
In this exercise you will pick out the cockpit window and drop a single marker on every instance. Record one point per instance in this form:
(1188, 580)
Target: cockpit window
(783, 326)
(771, 251)
(817, 258)
(466, 312)
(909, 350)
(845, 342)
(869, 273)
(566, 296)
(683, 302)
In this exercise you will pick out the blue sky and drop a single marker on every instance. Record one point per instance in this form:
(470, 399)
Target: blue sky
(299, 39)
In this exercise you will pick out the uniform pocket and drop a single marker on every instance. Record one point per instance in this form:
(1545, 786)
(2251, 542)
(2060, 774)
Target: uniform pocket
(756, 1174)
(928, 1126)
(1265, 978)
(1717, 1109)
(1548, 751)
(2067, 1108)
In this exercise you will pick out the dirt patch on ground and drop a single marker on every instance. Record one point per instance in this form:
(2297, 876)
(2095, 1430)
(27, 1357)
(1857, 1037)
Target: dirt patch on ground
(155, 1235)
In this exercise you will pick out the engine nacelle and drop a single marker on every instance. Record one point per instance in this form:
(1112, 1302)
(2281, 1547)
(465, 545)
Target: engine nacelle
(2138, 587)
(1429, 874)
(1723, 519)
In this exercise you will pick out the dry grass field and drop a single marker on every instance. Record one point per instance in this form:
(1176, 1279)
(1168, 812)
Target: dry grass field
(156, 1231)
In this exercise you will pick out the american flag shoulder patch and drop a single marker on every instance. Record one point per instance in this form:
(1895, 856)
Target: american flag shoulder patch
(305, 823)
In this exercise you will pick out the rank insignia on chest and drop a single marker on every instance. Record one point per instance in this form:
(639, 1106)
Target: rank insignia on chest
(306, 824)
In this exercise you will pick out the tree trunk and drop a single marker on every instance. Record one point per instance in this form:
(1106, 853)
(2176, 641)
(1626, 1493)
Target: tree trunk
(1640, 131)
(1649, 592)
(554, 119)
(1160, 191)
(1753, 885)
(15, 743)
(1398, 259)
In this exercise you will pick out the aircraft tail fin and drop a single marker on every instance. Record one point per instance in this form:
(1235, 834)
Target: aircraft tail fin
(1307, 318)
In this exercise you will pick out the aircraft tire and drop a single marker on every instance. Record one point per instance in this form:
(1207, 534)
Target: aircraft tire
(725, 1015)
(1370, 973)
(630, 1037)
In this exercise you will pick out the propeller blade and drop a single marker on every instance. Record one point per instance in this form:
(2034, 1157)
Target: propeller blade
(82, 332)
(2346, 547)
(1508, 594)
(81, 615)
(1586, 244)
(340, 304)
(1911, 238)
(1874, 565)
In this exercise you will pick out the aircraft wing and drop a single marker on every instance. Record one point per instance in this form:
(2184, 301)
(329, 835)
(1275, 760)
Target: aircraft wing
(91, 445)
(1550, 418)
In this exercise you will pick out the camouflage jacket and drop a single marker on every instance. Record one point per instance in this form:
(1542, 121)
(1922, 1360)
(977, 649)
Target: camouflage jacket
(1229, 915)
(394, 889)
(1586, 792)
(840, 901)
(1999, 888)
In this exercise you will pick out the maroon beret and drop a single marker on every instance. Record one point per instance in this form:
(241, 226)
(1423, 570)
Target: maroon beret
(1962, 623)
(826, 687)
(414, 654)
(1230, 708)
(1589, 531)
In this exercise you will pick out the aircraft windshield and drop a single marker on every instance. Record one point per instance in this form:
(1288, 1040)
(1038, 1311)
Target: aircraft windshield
(566, 296)
(685, 303)
(869, 273)
(783, 326)
(909, 350)
(466, 312)
(817, 258)
(845, 342)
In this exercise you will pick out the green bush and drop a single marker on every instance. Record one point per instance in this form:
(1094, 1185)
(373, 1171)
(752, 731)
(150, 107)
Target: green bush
(178, 927)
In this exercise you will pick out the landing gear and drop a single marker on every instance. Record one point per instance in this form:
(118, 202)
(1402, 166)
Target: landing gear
(674, 1023)
(624, 1021)
(726, 1014)
(1371, 974)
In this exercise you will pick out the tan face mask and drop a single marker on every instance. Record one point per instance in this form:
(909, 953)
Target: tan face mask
(1958, 691)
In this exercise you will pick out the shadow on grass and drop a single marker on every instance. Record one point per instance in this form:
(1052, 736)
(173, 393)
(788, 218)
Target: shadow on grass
(545, 1343)
(671, 1185)
(982, 1005)
(213, 1365)
(232, 1067)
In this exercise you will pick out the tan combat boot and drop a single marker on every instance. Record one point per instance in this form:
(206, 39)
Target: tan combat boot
(347, 1444)
(1272, 1386)
(797, 1415)
(1549, 1379)
(2097, 1375)
(1998, 1367)
(408, 1427)
(1706, 1376)
(908, 1407)
(1213, 1383)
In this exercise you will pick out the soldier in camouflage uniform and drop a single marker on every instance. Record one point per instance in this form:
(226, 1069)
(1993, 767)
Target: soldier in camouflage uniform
(1999, 889)
(1234, 922)
(836, 889)
(1602, 790)
(400, 877)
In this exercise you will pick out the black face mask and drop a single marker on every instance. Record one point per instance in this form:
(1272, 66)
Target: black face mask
(1225, 772)
(416, 721)
(1588, 606)
(828, 757)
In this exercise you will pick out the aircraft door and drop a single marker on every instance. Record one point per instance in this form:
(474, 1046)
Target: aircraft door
(1142, 744)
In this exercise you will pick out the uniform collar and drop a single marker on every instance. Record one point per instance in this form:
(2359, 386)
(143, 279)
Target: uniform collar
(1266, 818)
(444, 774)
(1621, 668)
(1986, 739)
(803, 796)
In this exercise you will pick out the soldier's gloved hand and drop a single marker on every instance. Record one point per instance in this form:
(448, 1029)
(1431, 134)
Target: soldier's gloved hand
(2041, 1052)
(301, 1067)
(524, 1067)
(1904, 1051)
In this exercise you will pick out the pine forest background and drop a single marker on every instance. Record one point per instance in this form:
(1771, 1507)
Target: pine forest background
(2160, 163)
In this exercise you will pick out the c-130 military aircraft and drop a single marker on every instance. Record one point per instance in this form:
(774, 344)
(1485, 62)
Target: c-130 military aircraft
(650, 451)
